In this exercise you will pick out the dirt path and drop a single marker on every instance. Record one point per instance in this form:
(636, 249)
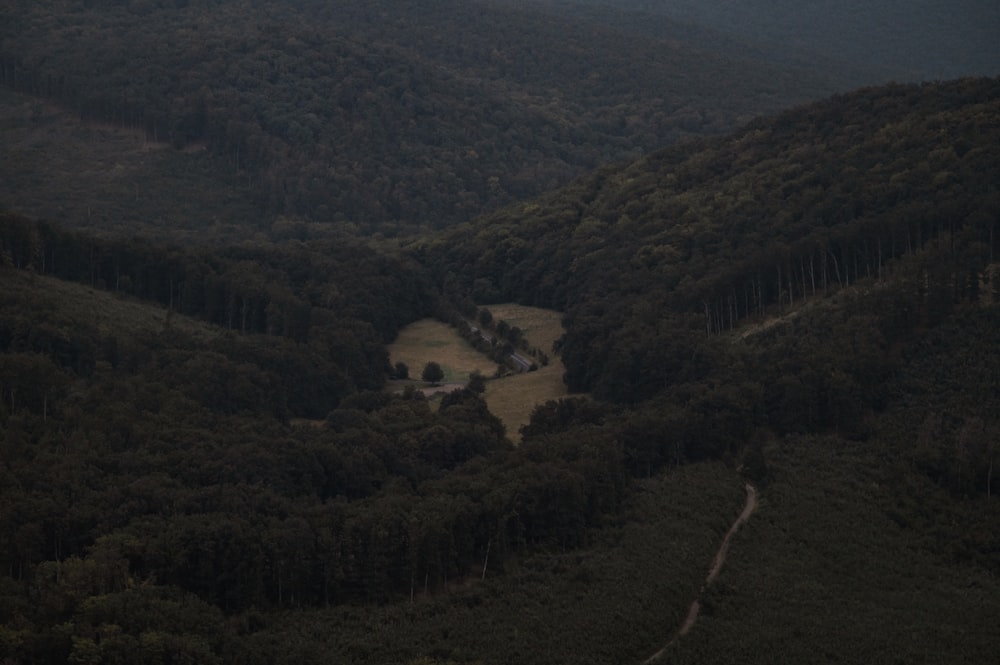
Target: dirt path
(713, 572)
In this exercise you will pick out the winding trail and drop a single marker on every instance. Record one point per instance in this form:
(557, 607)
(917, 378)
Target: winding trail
(713, 572)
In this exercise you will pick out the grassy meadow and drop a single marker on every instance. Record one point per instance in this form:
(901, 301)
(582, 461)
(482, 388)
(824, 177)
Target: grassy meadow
(514, 397)
(511, 398)
(429, 340)
(541, 327)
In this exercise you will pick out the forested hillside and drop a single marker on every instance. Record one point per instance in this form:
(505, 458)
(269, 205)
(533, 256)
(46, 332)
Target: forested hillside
(653, 261)
(809, 304)
(154, 483)
(335, 305)
(390, 115)
(820, 271)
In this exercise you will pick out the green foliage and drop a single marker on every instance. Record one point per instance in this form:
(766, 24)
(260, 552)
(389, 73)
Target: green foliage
(559, 415)
(318, 317)
(615, 595)
(943, 421)
(432, 373)
(477, 382)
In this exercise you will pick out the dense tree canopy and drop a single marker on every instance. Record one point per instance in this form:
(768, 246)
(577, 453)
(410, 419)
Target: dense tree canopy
(320, 314)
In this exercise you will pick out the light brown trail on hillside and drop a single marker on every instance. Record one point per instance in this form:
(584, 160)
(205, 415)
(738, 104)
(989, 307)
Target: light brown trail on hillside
(713, 572)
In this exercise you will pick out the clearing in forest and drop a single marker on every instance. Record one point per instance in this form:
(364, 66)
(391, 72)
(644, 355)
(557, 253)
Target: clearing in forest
(429, 340)
(541, 327)
(511, 398)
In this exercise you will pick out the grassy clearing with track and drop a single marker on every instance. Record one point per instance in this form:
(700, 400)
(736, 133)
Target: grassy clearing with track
(541, 327)
(877, 592)
(511, 398)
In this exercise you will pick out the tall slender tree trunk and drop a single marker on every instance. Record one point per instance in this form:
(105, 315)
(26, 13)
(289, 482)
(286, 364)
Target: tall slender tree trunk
(989, 479)
(791, 286)
(802, 273)
(486, 559)
(779, 289)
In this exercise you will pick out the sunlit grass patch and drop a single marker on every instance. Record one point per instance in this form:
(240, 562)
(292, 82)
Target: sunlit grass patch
(433, 341)
(513, 398)
(541, 327)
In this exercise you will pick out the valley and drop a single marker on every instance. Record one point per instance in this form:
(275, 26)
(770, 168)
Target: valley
(272, 271)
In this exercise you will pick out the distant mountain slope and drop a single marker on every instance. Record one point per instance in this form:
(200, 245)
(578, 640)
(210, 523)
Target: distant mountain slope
(391, 114)
(910, 40)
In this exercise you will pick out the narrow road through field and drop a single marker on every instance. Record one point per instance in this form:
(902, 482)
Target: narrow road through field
(713, 572)
(523, 363)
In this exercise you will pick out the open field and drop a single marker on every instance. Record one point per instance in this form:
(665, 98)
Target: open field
(541, 327)
(433, 341)
(514, 397)
(511, 398)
